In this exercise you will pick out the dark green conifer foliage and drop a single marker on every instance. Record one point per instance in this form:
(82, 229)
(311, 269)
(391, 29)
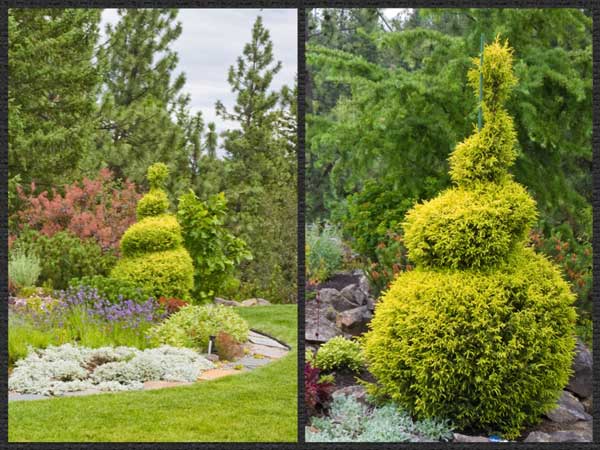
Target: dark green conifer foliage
(481, 332)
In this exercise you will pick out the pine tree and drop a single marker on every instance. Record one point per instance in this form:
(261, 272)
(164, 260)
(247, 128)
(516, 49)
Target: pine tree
(52, 92)
(261, 178)
(141, 95)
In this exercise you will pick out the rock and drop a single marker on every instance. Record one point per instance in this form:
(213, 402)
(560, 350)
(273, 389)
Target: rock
(581, 380)
(354, 294)
(587, 405)
(321, 333)
(371, 303)
(465, 438)
(363, 284)
(569, 410)
(222, 301)
(211, 357)
(256, 302)
(354, 321)
(333, 297)
(331, 314)
(228, 347)
(358, 392)
(559, 436)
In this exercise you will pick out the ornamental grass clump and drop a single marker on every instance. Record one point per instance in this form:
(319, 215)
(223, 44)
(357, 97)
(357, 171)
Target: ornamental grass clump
(153, 253)
(482, 331)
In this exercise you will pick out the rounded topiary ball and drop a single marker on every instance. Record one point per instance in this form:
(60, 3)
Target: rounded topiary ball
(469, 228)
(490, 350)
(152, 234)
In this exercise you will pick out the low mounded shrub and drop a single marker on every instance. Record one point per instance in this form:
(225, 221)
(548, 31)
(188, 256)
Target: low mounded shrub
(352, 421)
(339, 353)
(23, 269)
(324, 252)
(192, 326)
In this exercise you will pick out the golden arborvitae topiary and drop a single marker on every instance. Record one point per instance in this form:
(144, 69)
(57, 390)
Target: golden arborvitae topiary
(482, 331)
(153, 252)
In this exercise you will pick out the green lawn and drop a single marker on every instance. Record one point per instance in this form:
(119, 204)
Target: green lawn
(256, 406)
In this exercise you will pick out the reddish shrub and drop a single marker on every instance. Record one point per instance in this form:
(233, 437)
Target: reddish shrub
(98, 209)
(317, 394)
(172, 305)
(228, 347)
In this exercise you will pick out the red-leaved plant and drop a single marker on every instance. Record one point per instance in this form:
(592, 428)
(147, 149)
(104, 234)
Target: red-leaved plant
(96, 209)
(172, 305)
(317, 394)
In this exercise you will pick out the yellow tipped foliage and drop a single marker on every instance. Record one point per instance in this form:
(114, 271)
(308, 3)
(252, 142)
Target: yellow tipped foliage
(153, 252)
(481, 332)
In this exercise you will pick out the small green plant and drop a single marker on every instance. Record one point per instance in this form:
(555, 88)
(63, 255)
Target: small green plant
(339, 353)
(192, 326)
(324, 252)
(153, 255)
(23, 269)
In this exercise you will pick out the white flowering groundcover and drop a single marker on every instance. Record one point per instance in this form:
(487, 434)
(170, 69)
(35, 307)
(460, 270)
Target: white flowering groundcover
(70, 368)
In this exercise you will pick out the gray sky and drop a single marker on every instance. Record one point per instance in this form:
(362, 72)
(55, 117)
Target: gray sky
(210, 42)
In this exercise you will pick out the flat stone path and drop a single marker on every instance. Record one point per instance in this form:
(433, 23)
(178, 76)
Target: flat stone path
(260, 350)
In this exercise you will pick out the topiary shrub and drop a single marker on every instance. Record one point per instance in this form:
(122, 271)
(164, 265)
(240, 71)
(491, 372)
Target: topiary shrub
(192, 326)
(339, 353)
(481, 332)
(153, 255)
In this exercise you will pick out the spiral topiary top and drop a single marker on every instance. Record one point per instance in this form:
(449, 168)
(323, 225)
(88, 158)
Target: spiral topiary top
(155, 202)
(486, 215)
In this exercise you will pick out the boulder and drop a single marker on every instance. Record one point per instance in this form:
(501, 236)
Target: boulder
(559, 436)
(581, 380)
(354, 294)
(222, 301)
(588, 405)
(317, 327)
(354, 321)
(371, 303)
(569, 410)
(334, 298)
(326, 295)
(465, 438)
(256, 302)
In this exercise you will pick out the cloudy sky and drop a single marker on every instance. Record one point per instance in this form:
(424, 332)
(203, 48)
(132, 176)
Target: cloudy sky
(210, 42)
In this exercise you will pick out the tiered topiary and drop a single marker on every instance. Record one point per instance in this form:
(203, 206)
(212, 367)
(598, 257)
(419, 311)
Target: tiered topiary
(152, 248)
(482, 331)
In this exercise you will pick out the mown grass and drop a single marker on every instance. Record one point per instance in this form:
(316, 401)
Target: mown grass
(256, 406)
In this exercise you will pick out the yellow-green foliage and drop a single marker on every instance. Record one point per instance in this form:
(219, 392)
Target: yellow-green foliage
(154, 203)
(481, 332)
(163, 274)
(469, 227)
(490, 350)
(153, 254)
(339, 353)
(152, 234)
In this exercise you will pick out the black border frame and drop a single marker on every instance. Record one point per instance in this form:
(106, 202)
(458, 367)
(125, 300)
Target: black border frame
(594, 5)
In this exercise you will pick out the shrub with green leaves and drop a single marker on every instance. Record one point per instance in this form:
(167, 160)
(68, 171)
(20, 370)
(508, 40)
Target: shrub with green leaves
(324, 252)
(23, 269)
(192, 326)
(153, 255)
(64, 256)
(482, 331)
(339, 353)
(112, 289)
(216, 252)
